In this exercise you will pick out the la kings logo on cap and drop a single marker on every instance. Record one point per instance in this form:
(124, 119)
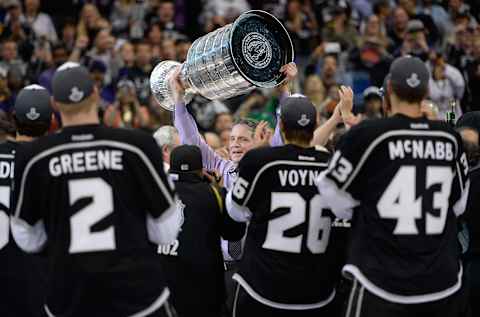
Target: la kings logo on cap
(32, 114)
(304, 121)
(413, 81)
(76, 94)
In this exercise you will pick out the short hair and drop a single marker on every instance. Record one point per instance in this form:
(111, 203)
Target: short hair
(302, 136)
(250, 123)
(32, 129)
(407, 94)
(165, 136)
(85, 105)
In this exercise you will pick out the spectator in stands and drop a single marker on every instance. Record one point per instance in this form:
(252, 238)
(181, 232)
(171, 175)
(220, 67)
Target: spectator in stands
(69, 34)
(126, 112)
(439, 15)
(15, 26)
(166, 19)
(213, 140)
(59, 57)
(225, 138)
(382, 10)
(257, 108)
(167, 139)
(330, 74)
(128, 18)
(372, 55)
(302, 26)
(182, 46)
(6, 98)
(223, 121)
(446, 85)
(103, 51)
(139, 73)
(340, 29)
(398, 29)
(168, 50)
(432, 36)
(40, 61)
(473, 75)
(107, 93)
(10, 57)
(217, 13)
(315, 91)
(458, 8)
(460, 48)
(154, 34)
(90, 21)
(372, 101)
(415, 41)
(40, 22)
(127, 55)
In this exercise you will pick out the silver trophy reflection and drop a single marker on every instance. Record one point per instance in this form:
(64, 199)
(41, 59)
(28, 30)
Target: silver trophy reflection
(229, 61)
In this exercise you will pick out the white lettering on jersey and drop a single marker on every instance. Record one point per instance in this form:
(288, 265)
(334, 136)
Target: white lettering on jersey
(301, 177)
(6, 169)
(80, 162)
(420, 149)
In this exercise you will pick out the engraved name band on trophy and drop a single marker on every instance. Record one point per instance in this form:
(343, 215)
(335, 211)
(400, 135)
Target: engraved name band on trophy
(229, 61)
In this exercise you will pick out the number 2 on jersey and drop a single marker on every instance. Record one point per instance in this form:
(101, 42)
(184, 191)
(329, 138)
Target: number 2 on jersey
(399, 201)
(4, 219)
(318, 226)
(82, 238)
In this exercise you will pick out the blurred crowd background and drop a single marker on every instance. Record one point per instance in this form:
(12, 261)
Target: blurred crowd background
(336, 43)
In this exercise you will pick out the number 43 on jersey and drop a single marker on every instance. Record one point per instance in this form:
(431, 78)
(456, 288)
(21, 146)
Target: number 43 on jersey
(399, 200)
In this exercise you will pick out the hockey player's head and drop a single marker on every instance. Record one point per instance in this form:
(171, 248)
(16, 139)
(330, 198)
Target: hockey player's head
(298, 120)
(186, 159)
(33, 111)
(74, 93)
(241, 138)
(409, 78)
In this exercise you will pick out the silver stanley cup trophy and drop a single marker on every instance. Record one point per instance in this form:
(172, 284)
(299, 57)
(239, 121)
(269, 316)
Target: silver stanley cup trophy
(229, 61)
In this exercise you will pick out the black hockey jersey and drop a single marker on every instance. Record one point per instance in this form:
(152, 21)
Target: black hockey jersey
(291, 257)
(93, 189)
(406, 179)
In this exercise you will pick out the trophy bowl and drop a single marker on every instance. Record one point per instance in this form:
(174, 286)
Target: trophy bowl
(229, 61)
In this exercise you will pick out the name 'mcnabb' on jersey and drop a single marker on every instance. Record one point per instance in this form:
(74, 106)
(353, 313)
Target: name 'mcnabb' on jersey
(404, 181)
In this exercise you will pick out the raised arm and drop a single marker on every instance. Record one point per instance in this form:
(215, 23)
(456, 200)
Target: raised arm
(290, 70)
(342, 113)
(189, 134)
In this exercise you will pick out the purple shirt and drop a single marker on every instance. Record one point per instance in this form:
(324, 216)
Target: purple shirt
(189, 134)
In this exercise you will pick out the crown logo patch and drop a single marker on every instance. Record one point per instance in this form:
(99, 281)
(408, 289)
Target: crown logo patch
(304, 121)
(413, 81)
(32, 114)
(76, 94)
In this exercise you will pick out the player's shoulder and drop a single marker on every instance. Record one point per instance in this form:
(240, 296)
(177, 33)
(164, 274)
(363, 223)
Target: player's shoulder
(8, 148)
(369, 131)
(260, 157)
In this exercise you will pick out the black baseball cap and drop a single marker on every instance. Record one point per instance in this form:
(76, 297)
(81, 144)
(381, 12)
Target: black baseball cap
(32, 105)
(470, 119)
(409, 76)
(298, 112)
(372, 92)
(185, 158)
(72, 83)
